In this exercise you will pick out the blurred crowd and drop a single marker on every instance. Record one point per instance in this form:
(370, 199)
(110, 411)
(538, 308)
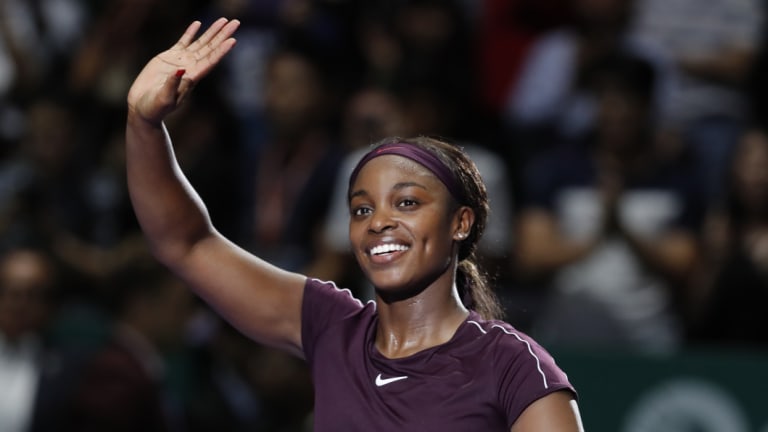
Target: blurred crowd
(624, 144)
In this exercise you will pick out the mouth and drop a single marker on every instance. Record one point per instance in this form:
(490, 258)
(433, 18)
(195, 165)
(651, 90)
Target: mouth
(385, 252)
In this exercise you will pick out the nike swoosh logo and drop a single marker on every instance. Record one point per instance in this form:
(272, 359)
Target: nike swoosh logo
(384, 381)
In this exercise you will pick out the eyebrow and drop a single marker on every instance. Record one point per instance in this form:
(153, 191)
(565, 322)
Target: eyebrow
(397, 186)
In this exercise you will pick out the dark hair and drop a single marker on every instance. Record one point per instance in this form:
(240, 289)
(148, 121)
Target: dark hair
(471, 281)
(628, 73)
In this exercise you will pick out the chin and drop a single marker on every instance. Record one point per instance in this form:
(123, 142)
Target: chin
(395, 287)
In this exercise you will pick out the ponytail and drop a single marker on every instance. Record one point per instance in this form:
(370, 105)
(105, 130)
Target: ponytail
(475, 292)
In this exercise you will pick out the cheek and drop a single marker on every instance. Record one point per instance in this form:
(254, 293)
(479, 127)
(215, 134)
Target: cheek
(434, 234)
(355, 233)
(356, 239)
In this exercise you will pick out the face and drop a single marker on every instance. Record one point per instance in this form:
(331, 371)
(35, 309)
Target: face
(50, 138)
(402, 226)
(621, 119)
(751, 175)
(292, 91)
(25, 278)
(373, 115)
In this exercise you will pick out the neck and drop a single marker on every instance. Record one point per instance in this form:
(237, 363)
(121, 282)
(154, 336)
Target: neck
(417, 323)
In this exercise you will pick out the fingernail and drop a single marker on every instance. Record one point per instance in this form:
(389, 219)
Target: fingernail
(180, 73)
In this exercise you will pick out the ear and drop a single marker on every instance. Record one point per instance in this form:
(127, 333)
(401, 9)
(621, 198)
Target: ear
(463, 222)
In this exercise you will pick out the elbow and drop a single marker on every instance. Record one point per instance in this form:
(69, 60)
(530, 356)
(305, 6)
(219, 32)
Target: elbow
(173, 248)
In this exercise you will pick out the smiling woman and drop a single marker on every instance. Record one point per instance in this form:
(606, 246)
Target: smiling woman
(430, 352)
(429, 159)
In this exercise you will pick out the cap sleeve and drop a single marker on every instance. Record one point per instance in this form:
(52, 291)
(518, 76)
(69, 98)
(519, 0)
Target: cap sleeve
(323, 304)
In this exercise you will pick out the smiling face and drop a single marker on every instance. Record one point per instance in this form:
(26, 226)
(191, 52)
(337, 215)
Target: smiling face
(403, 225)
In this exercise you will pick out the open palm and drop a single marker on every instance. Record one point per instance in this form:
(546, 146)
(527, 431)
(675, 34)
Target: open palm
(169, 76)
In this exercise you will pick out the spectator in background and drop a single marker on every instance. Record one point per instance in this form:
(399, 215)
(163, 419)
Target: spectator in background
(324, 29)
(434, 36)
(609, 224)
(420, 44)
(239, 386)
(713, 48)
(26, 289)
(37, 41)
(51, 196)
(119, 36)
(288, 177)
(730, 287)
(378, 47)
(124, 386)
(36, 374)
(552, 99)
(42, 183)
(503, 33)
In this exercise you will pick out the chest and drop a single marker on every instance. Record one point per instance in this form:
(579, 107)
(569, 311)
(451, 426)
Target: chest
(437, 393)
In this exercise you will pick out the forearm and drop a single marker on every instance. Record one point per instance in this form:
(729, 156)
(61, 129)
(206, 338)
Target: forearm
(730, 67)
(547, 257)
(672, 257)
(168, 209)
(541, 248)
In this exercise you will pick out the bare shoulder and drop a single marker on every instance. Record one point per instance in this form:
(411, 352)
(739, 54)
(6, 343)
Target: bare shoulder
(556, 412)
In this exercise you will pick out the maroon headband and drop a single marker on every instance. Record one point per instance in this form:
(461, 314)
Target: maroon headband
(417, 154)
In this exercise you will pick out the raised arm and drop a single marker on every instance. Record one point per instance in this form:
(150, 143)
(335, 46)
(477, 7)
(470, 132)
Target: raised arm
(261, 300)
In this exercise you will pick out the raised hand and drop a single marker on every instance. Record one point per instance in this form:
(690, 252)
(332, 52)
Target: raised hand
(170, 75)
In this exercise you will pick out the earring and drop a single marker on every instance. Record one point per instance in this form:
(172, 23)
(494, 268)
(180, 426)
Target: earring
(461, 235)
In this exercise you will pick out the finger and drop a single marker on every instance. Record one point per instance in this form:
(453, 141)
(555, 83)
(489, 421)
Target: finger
(210, 33)
(205, 64)
(189, 34)
(212, 41)
(220, 50)
(226, 32)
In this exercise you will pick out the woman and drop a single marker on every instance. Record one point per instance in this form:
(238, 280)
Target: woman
(730, 289)
(415, 359)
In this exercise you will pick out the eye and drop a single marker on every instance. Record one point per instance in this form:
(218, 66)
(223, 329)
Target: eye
(360, 211)
(407, 202)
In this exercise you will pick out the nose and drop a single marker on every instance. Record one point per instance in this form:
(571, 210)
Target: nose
(380, 221)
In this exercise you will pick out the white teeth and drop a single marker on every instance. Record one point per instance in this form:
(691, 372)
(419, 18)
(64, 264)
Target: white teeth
(387, 248)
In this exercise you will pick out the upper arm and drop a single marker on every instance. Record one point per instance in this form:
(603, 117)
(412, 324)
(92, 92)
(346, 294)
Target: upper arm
(260, 299)
(555, 412)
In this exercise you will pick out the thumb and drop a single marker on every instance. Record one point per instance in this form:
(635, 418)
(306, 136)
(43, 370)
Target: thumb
(168, 96)
(181, 85)
(173, 84)
(169, 93)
